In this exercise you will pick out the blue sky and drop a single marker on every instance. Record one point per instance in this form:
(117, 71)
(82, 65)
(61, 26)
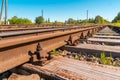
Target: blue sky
(61, 10)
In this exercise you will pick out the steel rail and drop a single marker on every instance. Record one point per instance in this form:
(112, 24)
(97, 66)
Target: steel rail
(35, 38)
(38, 28)
(13, 33)
(30, 28)
(36, 31)
(15, 52)
(12, 28)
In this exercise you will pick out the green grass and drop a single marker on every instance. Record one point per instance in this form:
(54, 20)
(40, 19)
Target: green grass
(105, 60)
(116, 24)
(55, 52)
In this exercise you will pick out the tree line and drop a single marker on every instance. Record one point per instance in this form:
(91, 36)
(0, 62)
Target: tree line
(40, 20)
(98, 20)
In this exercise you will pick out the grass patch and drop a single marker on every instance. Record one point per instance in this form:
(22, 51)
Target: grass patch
(105, 60)
(116, 24)
(55, 52)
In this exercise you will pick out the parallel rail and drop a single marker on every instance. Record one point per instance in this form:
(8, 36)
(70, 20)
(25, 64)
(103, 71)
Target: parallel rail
(15, 52)
(33, 26)
(10, 33)
(5, 28)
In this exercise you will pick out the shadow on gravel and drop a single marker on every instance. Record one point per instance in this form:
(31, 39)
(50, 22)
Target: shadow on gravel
(115, 28)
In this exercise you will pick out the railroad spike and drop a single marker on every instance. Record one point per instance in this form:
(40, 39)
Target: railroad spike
(38, 49)
(36, 55)
(69, 42)
(31, 56)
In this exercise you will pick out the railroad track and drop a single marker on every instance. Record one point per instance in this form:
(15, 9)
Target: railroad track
(34, 31)
(15, 50)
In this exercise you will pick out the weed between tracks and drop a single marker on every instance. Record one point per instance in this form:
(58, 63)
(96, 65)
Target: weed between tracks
(103, 59)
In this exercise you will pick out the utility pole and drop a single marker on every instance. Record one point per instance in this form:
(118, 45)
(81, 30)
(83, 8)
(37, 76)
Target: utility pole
(42, 13)
(2, 7)
(87, 15)
(6, 12)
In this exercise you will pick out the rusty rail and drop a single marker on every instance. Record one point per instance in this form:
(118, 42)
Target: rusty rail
(33, 26)
(27, 31)
(15, 52)
(4, 28)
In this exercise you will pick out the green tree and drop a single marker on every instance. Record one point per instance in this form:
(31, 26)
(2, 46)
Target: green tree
(99, 20)
(13, 20)
(91, 20)
(58, 23)
(71, 21)
(27, 21)
(106, 21)
(16, 20)
(39, 20)
(117, 18)
(83, 21)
